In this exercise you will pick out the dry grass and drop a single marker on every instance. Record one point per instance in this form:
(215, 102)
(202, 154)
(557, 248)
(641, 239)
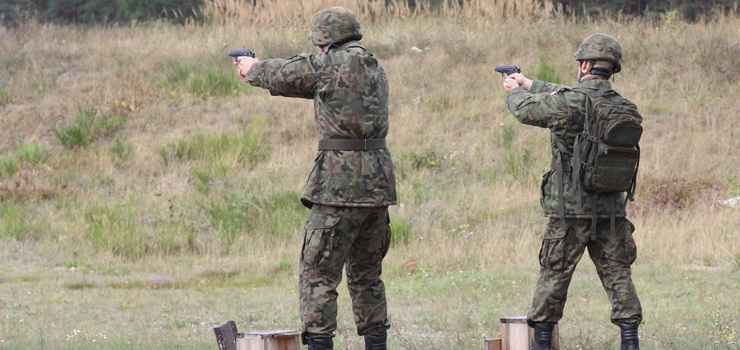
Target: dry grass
(447, 111)
(286, 14)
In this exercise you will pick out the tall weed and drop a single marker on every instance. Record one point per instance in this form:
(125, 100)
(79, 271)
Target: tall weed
(401, 231)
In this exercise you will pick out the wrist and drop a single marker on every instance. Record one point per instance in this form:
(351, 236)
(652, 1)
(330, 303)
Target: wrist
(527, 84)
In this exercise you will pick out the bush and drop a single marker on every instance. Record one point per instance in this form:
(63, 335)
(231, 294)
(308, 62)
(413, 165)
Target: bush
(674, 193)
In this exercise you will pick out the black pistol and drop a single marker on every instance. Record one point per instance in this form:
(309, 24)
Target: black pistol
(508, 70)
(237, 53)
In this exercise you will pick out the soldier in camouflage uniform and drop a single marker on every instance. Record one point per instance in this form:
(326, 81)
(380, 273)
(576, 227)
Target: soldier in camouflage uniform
(352, 182)
(569, 231)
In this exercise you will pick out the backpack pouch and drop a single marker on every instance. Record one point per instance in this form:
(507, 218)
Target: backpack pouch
(622, 132)
(614, 168)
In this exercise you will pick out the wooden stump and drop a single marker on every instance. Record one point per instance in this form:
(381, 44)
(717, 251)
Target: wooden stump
(492, 344)
(277, 339)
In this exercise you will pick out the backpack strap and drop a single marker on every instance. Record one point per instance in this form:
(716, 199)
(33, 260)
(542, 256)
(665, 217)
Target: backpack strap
(609, 200)
(631, 192)
(578, 164)
(558, 166)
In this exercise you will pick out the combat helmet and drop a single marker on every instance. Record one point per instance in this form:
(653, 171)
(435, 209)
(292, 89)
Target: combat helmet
(600, 47)
(334, 25)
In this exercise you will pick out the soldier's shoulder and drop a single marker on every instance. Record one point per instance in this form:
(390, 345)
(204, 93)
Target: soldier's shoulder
(575, 94)
(560, 93)
(318, 61)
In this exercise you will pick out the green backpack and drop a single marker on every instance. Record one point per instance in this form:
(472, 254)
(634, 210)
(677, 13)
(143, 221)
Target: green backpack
(607, 152)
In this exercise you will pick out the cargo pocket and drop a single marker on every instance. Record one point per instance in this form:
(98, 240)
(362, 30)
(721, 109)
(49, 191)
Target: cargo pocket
(319, 241)
(630, 247)
(544, 195)
(552, 252)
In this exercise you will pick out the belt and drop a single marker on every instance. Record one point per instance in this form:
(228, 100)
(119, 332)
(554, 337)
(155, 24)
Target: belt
(351, 144)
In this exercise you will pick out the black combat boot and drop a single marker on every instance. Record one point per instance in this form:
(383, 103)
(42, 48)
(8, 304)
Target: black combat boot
(543, 336)
(320, 344)
(376, 342)
(630, 340)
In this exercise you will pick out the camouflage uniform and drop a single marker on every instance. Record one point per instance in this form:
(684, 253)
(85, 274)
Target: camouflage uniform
(569, 232)
(348, 191)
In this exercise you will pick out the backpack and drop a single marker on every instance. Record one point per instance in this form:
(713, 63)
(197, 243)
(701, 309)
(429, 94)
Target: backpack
(607, 152)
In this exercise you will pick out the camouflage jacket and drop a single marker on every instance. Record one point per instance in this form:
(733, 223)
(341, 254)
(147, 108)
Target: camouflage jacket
(563, 111)
(350, 93)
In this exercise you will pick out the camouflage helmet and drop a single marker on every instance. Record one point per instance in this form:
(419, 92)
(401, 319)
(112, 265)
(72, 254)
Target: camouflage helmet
(600, 47)
(334, 25)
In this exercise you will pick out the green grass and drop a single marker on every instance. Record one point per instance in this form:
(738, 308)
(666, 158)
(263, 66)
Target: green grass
(402, 231)
(546, 71)
(5, 97)
(207, 80)
(219, 151)
(238, 215)
(103, 309)
(8, 166)
(88, 125)
(14, 221)
(120, 152)
(30, 154)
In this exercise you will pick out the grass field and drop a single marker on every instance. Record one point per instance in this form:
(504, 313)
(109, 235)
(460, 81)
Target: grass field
(147, 195)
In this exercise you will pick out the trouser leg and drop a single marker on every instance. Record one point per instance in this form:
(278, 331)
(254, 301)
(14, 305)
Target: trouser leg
(613, 253)
(322, 261)
(335, 236)
(562, 248)
(364, 269)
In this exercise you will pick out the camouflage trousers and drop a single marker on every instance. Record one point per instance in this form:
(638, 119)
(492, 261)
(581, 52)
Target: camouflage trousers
(335, 237)
(611, 252)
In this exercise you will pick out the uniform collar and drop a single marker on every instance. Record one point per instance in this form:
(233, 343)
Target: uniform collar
(349, 43)
(598, 83)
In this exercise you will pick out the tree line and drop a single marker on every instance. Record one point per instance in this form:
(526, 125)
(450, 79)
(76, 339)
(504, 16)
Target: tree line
(127, 11)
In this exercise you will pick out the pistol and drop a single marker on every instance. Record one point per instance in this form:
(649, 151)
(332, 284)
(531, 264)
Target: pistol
(508, 70)
(237, 53)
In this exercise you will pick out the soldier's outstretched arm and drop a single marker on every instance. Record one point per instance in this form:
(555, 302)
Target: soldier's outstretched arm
(298, 77)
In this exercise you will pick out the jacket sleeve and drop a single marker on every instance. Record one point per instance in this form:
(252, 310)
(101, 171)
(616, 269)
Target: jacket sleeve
(542, 109)
(295, 77)
(539, 86)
